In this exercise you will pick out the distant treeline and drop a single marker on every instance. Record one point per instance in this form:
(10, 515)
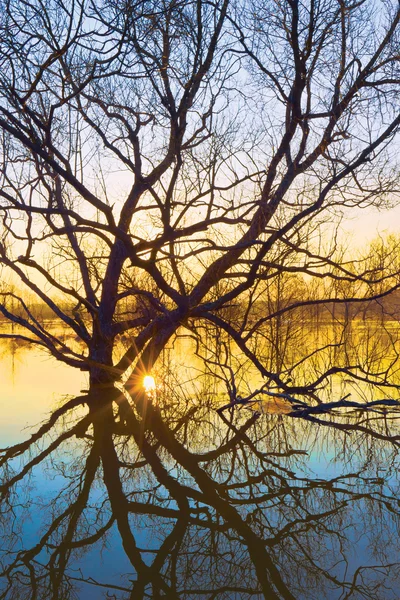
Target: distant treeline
(387, 308)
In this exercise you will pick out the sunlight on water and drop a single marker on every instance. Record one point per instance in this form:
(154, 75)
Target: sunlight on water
(32, 383)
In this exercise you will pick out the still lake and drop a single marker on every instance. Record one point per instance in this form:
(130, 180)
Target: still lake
(187, 504)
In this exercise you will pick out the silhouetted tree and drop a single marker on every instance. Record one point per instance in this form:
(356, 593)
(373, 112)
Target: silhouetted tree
(164, 162)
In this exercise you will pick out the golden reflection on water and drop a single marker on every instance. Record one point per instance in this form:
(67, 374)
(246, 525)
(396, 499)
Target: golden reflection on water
(186, 374)
(32, 383)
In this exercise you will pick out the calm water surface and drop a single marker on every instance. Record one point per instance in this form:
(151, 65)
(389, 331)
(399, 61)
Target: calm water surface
(172, 500)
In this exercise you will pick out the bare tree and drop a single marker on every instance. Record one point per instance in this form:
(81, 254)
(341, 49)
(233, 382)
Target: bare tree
(164, 162)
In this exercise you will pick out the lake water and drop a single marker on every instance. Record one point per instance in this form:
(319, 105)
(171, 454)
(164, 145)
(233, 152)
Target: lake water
(181, 502)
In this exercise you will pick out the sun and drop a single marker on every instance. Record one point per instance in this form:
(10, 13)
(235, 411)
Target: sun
(149, 384)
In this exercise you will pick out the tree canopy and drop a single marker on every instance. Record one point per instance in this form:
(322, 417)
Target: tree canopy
(183, 165)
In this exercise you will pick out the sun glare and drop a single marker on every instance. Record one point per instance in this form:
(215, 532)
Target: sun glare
(149, 384)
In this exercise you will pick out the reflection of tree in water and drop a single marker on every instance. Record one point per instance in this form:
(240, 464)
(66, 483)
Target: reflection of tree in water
(13, 351)
(235, 513)
(318, 358)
